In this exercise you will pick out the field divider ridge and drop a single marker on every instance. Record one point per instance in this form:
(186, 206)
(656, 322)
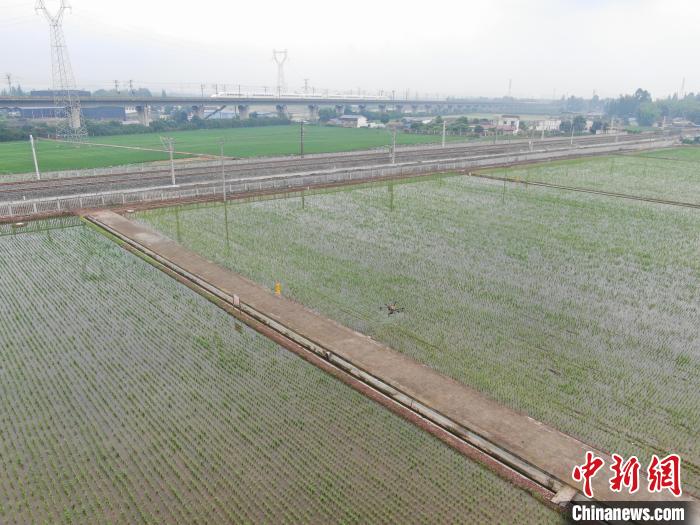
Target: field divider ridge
(542, 454)
(585, 190)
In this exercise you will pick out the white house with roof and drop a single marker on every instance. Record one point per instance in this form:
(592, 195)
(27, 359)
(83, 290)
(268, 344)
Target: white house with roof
(508, 124)
(353, 121)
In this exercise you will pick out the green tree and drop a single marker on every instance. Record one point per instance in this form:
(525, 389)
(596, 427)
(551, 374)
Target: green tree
(597, 125)
(647, 114)
(180, 116)
(579, 123)
(325, 114)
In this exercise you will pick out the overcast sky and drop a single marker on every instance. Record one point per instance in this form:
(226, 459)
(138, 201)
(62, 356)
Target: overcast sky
(458, 48)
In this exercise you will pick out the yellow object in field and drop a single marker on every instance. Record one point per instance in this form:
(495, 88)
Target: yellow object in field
(278, 288)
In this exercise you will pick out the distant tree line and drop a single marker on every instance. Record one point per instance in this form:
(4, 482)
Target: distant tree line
(647, 111)
(14, 91)
(101, 128)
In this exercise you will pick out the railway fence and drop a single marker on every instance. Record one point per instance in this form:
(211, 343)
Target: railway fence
(283, 182)
(157, 166)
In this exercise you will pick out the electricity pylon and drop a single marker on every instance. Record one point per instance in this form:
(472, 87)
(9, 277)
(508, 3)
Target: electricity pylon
(70, 125)
(280, 57)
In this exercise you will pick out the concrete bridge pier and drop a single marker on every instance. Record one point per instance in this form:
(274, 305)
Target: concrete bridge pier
(243, 111)
(414, 108)
(340, 109)
(382, 108)
(313, 112)
(398, 108)
(282, 111)
(429, 109)
(143, 113)
(198, 111)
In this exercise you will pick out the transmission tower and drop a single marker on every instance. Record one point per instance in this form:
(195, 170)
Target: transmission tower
(280, 57)
(70, 125)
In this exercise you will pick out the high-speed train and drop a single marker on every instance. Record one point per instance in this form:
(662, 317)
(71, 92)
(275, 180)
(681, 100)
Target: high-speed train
(300, 96)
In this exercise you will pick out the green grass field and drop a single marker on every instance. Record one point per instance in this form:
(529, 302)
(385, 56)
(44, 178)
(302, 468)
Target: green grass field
(127, 398)
(16, 157)
(670, 174)
(579, 310)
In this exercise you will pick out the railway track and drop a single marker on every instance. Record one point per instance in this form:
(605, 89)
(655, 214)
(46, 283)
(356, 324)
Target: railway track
(12, 191)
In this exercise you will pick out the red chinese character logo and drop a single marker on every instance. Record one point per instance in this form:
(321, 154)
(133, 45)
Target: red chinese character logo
(626, 474)
(665, 474)
(586, 472)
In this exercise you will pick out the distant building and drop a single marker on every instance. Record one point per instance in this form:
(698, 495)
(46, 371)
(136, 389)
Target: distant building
(353, 121)
(51, 112)
(38, 112)
(549, 124)
(105, 113)
(508, 124)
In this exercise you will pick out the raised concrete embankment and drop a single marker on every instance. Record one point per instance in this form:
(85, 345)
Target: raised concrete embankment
(541, 453)
(282, 182)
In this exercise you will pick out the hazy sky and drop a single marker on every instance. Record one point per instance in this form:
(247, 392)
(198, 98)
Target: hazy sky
(459, 48)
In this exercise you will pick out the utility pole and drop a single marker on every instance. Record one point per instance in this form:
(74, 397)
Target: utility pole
(444, 132)
(116, 86)
(8, 76)
(169, 144)
(201, 87)
(36, 163)
(393, 147)
(131, 87)
(306, 86)
(572, 131)
(223, 171)
(301, 138)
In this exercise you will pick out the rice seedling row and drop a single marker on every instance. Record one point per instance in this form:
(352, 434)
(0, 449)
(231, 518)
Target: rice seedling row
(579, 310)
(126, 397)
(670, 174)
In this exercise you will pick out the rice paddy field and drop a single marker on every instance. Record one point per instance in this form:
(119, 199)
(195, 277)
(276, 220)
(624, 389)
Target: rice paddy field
(16, 157)
(576, 309)
(126, 397)
(670, 174)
